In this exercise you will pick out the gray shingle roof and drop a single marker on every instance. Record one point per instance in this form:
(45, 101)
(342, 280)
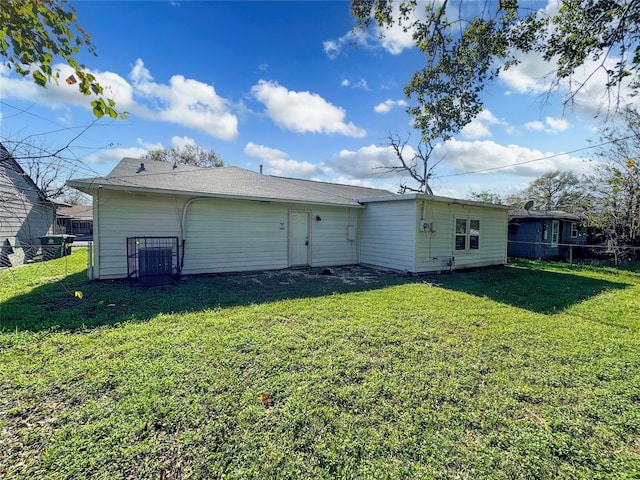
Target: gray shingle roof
(232, 182)
(545, 214)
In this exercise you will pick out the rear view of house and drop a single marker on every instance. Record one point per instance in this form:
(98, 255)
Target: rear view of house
(225, 219)
(157, 219)
(25, 213)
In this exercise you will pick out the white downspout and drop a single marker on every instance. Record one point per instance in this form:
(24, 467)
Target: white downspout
(95, 251)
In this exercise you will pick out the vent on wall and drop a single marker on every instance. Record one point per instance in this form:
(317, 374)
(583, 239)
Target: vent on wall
(152, 260)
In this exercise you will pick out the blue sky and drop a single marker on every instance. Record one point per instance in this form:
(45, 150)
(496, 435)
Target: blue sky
(285, 85)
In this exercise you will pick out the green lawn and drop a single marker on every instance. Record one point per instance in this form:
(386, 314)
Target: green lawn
(530, 371)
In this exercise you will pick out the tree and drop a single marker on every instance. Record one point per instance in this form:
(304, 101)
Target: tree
(558, 191)
(36, 32)
(188, 154)
(486, 196)
(616, 184)
(417, 166)
(468, 44)
(48, 166)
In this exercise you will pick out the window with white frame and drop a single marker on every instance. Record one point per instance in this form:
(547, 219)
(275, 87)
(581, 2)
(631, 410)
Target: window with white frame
(555, 232)
(574, 229)
(467, 234)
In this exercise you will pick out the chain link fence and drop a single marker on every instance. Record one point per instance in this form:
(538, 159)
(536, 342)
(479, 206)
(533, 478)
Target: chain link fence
(606, 254)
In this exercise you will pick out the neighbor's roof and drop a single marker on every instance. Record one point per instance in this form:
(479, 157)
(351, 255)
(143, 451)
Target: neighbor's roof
(432, 198)
(544, 214)
(77, 212)
(226, 182)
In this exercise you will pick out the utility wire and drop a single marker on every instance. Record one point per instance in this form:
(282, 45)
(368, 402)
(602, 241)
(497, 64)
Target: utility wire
(537, 159)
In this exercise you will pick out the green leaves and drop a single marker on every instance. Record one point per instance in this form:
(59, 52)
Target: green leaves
(100, 108)
(465, 47)
(33, 33)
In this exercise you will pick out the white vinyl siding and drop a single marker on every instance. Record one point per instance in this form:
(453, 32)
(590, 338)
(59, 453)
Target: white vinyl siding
(233, 236)
(220, 236)
(435, 249)
(388, 235)
(119, 215)
(329, 236)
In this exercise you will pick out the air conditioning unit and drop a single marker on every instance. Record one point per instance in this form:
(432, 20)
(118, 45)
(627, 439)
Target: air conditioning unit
(152, 260)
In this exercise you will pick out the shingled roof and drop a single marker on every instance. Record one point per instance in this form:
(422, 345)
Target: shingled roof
(226, 182)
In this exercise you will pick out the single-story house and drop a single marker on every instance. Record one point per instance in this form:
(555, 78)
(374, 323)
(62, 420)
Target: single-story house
(545, 234)
(75, 219)
(150, 216)
(25, 213)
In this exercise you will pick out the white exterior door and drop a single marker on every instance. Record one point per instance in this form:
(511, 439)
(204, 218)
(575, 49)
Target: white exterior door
(298, 238)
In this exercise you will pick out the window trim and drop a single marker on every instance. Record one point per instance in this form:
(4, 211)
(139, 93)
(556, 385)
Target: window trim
(467, 234)
(555, 232)
(574, 229)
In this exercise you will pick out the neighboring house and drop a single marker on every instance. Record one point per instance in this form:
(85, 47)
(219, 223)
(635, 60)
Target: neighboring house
(190, 220)
(545, 234)
(25, 213)
(75, 219)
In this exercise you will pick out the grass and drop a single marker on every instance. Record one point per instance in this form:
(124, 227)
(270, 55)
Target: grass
(524, 372)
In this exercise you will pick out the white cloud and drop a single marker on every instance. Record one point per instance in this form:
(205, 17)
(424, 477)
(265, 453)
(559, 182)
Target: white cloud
(332, 48)
(534, 75)
(362, 83)
(397, 37)
(366, 162)
(186, 102)
(488, 157)
(277, 163)
(530, 76)
(387, 105)
(394, 39)
(181, 142)
(557, 124)
(183, 101)
(62, 94)
(303, 111)
(114, 155)
(479, 126)
(551, 125)
(536, 126)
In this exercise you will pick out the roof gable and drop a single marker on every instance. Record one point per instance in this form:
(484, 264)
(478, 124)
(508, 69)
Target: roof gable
(9, 163)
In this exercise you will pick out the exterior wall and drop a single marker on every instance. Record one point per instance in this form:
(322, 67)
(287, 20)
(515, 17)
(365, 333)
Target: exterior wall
(24, 217)
(388, 235)
(329, 237)
(527, 240)
(220, 235)
(435, 247)
(391, 238)
(523, 238)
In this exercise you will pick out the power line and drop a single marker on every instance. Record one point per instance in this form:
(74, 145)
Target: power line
(555, 155)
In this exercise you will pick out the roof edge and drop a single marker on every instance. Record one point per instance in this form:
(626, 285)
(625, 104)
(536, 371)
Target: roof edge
(434, 198)
(94, 185)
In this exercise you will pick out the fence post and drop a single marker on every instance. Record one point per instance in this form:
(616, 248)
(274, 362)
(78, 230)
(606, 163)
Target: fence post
(90, 260)
(570, 254)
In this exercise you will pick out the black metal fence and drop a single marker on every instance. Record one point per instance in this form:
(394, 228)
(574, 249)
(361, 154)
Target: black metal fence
(152, 260)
